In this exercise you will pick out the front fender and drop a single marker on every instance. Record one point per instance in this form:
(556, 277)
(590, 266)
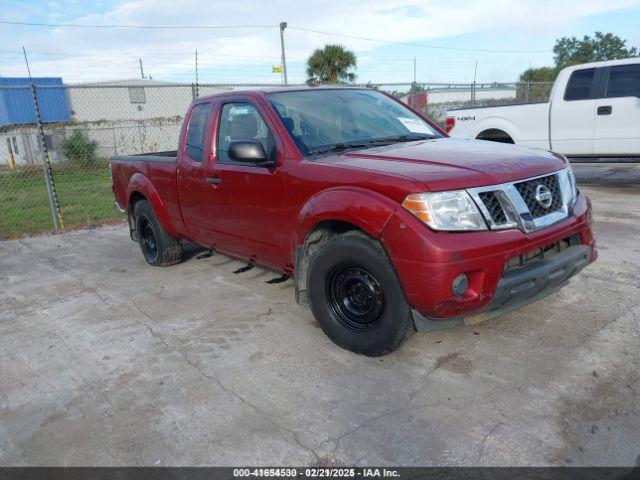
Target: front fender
(367, 210)
(141, 184)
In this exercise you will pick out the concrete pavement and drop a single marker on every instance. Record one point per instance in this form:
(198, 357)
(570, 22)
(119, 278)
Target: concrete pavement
(107, 361)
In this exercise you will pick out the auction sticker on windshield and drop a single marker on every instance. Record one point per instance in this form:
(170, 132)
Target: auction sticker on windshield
(414, 125)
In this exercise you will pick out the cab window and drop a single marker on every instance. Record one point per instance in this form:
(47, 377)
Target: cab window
(195, 132)
(624, 81)
(242, 121)
(579, 85)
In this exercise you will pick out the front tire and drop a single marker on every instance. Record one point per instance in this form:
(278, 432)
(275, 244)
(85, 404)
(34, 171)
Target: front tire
(356, 297)
(158, 247)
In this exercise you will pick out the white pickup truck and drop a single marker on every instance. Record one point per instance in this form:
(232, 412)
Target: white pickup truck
(594, 110)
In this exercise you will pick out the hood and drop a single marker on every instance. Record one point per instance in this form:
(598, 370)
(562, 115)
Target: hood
(448, 163)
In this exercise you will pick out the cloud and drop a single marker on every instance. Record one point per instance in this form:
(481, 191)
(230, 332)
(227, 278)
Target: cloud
(246, 54)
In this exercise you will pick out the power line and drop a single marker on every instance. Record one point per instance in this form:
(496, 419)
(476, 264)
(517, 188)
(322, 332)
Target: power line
(411, 44)
(231, 27)
(10, 52)
(168, 27)
(302, 29)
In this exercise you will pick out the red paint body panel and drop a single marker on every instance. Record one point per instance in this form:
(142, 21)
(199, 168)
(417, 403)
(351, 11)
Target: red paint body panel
(428, 261)
(262, 214)
(448, 164)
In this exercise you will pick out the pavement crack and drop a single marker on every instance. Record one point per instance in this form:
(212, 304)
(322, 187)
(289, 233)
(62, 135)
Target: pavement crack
(198, 368)
(484, 441)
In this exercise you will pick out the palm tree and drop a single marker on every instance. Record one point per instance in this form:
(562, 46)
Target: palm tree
(331, 64)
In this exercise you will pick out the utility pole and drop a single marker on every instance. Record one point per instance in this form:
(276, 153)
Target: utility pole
(283, 25)
(141, 70)
(413, 86)
(197, 93)
(473, 87)
(414, 69)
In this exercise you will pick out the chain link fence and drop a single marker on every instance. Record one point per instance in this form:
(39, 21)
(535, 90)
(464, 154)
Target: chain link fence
(54, 173)
(434, 99)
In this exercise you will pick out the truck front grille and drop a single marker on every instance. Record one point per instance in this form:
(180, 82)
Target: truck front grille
(529, 204)
(492, 203)
(528, 191)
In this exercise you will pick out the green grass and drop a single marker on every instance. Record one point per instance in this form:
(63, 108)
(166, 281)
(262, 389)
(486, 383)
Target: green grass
(84, 195)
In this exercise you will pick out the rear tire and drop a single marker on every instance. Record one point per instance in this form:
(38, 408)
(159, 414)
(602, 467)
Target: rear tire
(356, 297)
(158, 248)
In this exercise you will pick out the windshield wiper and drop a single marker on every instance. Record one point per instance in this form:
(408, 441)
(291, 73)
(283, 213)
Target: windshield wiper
(339, 147)
(373, 142)
(408, 137)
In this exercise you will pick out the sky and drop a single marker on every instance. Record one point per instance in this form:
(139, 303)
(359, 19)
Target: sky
(446, 37)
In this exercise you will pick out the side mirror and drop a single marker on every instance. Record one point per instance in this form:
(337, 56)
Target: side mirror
(249, 151)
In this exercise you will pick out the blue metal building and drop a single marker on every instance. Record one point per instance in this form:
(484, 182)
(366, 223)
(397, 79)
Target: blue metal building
(16, 103)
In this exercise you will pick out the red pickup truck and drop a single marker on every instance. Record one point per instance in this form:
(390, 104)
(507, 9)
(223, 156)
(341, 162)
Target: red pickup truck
(385, 224)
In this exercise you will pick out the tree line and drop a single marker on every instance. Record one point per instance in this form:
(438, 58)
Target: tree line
(335, 64)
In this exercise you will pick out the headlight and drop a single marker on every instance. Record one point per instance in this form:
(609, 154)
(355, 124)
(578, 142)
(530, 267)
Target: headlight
(450, 211)
(572, 181)
(569, 187)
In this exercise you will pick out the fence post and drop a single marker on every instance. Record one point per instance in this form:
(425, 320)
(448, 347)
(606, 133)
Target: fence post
(56, 214)
(115, 142)
(194, 91)
(527, 86)
(413, 95)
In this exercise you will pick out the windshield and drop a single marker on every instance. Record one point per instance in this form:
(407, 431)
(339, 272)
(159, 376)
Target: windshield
(321, 121)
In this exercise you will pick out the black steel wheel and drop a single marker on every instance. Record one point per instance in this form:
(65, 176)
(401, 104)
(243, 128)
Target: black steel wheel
(158, 247)
(356, 297)
(149, 243)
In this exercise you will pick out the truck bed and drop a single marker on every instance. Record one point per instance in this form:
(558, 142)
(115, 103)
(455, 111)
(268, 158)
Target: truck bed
(168, 156)
(527, 124)
(158, 169)
(494, 106)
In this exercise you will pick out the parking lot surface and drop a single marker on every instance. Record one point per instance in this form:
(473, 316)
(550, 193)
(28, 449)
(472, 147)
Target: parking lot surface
(608, 174)
(107, 361)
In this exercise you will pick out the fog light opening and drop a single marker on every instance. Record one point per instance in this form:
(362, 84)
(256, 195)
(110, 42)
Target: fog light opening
(459, 285)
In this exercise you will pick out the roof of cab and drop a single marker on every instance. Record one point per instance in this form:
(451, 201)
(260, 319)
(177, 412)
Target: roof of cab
(606, 63)
(292, 88)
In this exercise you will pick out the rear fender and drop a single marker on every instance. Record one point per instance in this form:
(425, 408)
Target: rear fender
(141, 184)
(497, 123)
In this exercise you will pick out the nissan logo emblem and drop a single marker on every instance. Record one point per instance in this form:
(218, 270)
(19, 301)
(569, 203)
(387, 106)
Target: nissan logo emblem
(543, 196)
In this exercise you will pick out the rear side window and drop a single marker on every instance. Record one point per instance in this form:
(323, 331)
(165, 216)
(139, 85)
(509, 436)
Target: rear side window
(195, 132)
(624, 81)
(579, 85)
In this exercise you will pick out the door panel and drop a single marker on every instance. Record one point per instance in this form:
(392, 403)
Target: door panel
(573, 117)
(15, 146)
(617, 124)
(572, 125)
(193, 169)
(251, 197)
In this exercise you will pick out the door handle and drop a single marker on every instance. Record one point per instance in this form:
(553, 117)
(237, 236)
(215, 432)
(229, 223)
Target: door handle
(605, 110)
(214, 181)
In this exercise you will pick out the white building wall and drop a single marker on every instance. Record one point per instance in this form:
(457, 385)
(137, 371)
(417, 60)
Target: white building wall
(464, 95)
(109, 103)
(106, 113)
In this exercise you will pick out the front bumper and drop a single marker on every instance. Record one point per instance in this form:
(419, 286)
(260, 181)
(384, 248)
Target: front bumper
(517, 286)
(427, 262)
(520, 287)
